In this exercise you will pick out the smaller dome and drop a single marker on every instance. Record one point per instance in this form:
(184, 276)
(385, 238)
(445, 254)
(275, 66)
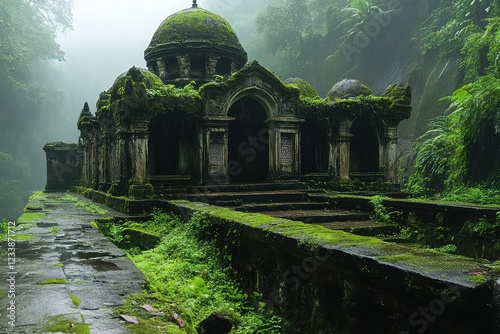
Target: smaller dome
(305, 88)
(348, 88)
(138, 74)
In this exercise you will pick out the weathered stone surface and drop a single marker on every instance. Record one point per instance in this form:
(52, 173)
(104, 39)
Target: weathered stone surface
(79, 262)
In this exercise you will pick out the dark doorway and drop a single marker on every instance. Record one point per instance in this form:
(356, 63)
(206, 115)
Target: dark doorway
(248, 147)
(173, 148)
(314, 147)
(364, 146)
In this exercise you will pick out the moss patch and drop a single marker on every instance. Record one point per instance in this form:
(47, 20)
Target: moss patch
(65, 324)
(2, 294)
(24, 237)
(60, 265)
(195, 23)
(30, 216)
(53, 281)
(307, 233)
(75, 300)
(318, 235)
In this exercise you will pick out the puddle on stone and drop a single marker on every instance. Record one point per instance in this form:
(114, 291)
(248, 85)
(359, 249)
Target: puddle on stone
(90, 255)
(46, 224)
(100, 265)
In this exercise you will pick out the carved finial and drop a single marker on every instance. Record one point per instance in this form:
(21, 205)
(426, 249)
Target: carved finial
(194, 4)
(86, 108)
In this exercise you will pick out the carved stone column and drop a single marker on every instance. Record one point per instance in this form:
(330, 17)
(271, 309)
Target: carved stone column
(388, 157)
(184, 66)
(215, 141)
(284, 148)
(211, 65)
(162, 69)
(340, 154)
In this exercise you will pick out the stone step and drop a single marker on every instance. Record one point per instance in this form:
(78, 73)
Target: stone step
(320, 216)
(285, 206)
(257, 197)
(233, 188)
(363, 227)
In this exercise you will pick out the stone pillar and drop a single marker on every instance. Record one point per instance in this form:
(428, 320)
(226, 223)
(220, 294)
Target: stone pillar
(234, 67)
(63, 166)
(340, 153)
(388, 157)
(211, 65)
(184, 66)
(284, 148)
(139, 151)
(162, 70)
(215, 142)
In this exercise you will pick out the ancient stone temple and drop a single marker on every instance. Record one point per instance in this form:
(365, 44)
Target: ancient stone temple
(201, 114)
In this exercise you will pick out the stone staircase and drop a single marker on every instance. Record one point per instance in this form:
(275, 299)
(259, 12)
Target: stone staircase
(287, 200)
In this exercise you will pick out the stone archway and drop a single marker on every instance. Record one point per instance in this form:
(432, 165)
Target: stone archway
(248, 142)
(364, 146)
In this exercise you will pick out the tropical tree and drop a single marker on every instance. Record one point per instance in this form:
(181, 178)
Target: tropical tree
(28, 31)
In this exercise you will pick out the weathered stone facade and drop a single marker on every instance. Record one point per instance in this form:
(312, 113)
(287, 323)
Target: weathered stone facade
(201, 116)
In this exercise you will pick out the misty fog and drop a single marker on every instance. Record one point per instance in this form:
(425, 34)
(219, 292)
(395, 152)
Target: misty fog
(379, 42)
(109, 37)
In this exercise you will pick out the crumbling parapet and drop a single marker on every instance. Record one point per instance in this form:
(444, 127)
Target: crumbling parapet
(63, 166)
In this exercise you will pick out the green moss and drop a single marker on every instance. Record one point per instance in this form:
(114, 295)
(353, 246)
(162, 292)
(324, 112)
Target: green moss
(250, 219)
(65, 324)
(215, 88)
(54, 230)
(75, 300)
(307, 233)
(69, 198)
(94, 224)
(304, 87)
(60, 265)
(31, 216)
(2, 294)
(24, 237)
(478, 279)
(194, 23)
(53, 281)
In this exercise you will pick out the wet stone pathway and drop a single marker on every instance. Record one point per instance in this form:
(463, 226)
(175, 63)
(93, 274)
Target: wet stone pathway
(66, 273)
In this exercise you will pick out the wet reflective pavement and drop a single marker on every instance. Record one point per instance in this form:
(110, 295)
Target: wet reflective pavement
(66, 262)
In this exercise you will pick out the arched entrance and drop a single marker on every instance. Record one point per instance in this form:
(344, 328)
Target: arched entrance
(248, 142)
(173, 146)
(364, 155)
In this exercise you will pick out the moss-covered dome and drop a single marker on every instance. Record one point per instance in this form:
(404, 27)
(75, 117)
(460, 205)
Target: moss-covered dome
(195, 24)
(194, 44)
(347, 88)
(305, 88)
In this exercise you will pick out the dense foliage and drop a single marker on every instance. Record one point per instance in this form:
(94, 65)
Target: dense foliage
(27, 43)
(459, 155)
(188, 275)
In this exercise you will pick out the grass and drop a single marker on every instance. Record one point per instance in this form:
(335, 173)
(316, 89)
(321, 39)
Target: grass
(53, 281)
(54, 230)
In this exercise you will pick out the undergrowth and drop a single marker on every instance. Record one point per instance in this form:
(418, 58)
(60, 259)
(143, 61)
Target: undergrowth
(187, 275)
